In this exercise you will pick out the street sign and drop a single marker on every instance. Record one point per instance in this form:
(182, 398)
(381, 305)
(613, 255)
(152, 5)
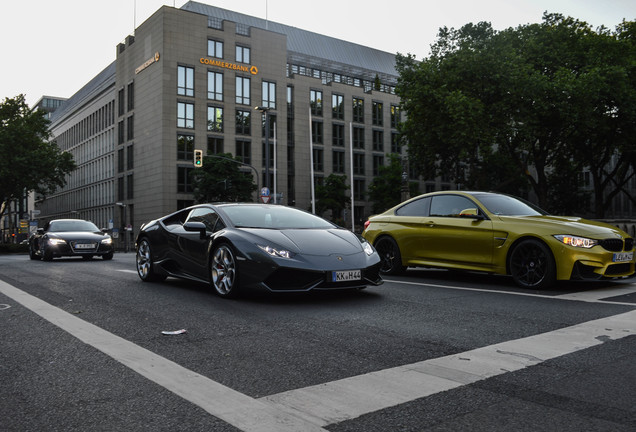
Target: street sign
(265, 196)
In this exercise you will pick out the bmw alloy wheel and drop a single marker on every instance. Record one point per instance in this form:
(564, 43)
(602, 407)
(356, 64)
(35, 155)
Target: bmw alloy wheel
(532, 265)
(389, 252)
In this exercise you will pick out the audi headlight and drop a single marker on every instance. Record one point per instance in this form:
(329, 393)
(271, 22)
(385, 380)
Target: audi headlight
(56, 241)
(368, 249)
(107, 241)
(280, 253)
(576, 241)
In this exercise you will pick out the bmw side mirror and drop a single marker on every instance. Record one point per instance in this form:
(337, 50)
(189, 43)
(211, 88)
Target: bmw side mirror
(471, 213)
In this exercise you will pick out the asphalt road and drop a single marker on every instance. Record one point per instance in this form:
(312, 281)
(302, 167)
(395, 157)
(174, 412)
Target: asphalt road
(82, 348)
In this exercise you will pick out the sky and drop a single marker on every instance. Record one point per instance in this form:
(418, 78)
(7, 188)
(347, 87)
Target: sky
(53, 48)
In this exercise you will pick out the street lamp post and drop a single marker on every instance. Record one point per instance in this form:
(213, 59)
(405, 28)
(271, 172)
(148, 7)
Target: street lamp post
(265, 110)
(125, 233)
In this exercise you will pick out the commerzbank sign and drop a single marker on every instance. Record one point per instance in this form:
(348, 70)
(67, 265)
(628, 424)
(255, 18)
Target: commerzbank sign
(225, 65)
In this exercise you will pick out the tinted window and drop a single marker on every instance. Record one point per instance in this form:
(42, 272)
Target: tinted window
(450, 205)
(415, 208)
(205, 215)
(274, 217)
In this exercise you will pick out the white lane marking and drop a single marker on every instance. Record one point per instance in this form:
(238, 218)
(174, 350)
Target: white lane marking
(246, 413)
(311, 408)
(594, 298)
(127, 271)
(349, 398)
(597, 295)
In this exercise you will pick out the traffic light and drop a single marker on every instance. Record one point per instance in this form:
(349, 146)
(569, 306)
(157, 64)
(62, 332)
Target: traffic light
(198, 158)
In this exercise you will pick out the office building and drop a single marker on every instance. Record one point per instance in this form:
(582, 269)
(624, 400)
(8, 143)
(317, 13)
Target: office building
(190, 78)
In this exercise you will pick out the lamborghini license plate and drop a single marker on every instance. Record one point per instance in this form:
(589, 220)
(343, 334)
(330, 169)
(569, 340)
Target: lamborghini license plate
(346, 275)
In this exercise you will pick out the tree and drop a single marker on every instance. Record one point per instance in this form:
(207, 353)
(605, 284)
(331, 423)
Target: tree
(221, 180)
(385, 188)
(331, 196)
(29, 162)
(524, 107)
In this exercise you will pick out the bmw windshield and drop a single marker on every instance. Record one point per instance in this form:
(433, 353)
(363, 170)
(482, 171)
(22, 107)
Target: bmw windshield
(504, 205)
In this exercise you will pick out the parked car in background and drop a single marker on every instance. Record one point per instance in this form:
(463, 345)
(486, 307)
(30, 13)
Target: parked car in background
(235, 246)
(70, 237)
(500, 234)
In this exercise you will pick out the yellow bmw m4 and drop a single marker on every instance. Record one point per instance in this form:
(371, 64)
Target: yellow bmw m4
(496, 233)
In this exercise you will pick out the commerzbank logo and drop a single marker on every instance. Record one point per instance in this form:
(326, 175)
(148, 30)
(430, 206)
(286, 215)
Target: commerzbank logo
(226, 65)
(148, 62)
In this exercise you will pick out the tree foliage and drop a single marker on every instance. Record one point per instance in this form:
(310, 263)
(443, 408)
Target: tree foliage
(385, 189)
(30, 161)
(331, 195)
(220, 179)
(525, 108)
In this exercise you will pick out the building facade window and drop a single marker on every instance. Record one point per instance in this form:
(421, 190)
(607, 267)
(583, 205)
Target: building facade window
(290, 101)
(185, 147)
(358, 137)
(120, 132)
(315, 100)
(131, 96)
(318, 159)
(184, 184)
(338, 161)
(215, 86)
(130, 187)
(120, 188)
(121, 107)
(358, 110)
(337, 106)
(378, 161)
(395, 116)
(272, 123)
(378, 140)
(269, 95)
(130, 157)
(185, 81)
(377, 114)
(185, 115)
(244, 151)
(338, 135)
(358, 163)
(359, 191)
(215, 48)
(395, 143)
(243, 122)
(243, 90)
(271, 158)
(242, 54)
(316, 132)
(215, 119)
(215, 145)
(120, 160)
(130, 128)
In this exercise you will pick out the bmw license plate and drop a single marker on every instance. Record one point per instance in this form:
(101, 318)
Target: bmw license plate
(623, 256)
(84, 246)
(346, 275)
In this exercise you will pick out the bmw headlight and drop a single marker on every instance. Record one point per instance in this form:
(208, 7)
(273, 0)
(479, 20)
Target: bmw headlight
(56, 241)
(107, 241)
(280, 253)
(368, 249)
(576, 241)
